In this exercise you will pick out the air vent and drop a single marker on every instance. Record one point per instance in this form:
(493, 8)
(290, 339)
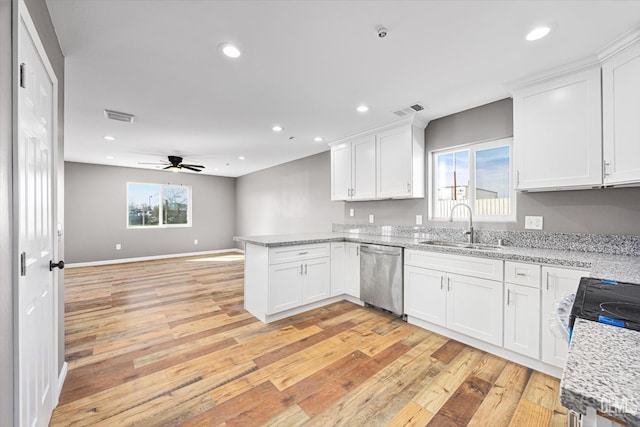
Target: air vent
(405, 111)
(116, 115)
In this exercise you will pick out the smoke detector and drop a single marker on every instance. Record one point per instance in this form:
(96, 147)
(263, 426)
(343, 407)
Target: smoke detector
(405, 111)
(118, 116)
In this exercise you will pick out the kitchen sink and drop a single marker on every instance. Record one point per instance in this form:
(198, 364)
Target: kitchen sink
(478, 246)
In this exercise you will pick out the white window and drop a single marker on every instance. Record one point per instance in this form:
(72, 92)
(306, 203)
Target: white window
(157, 205)
(478, 175)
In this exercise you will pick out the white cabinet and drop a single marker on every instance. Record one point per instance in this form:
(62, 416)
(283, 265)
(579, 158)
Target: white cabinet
(382, 163)
(621, 117)
(316, 280)
(424, 294)
(556, 283)
(353, 169)
(338, 268)
(466, 304)
(400, 162)
(522, 308)
(352, 285)
(557, 132)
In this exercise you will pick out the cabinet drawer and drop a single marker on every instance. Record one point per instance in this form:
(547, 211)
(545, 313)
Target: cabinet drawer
(282, 254)
(466, 265)
(522, 273)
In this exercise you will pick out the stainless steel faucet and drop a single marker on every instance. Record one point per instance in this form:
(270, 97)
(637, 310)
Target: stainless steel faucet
(469, 232)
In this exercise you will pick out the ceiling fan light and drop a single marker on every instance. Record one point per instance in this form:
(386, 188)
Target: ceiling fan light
(173, 168)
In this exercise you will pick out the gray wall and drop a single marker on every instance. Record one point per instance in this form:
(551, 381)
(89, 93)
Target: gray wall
(606, 211)
(96, 209)
(294, 197)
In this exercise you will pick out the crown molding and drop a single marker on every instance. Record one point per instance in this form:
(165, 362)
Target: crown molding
(623, 42)
(582, 64)
(414, 120)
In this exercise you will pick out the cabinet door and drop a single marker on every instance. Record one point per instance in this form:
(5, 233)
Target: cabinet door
(316, 280)
(352, 286)
(341, 172)
(425, 294)
(363, 168)
(522, 320)
(474, 307)
(394, 153)
(285, 286)
(338, 268)
(556, 283)
(621, 121)
(557, 133)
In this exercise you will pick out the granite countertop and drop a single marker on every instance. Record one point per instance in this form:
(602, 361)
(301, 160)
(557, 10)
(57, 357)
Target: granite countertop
(603, 266)
(603, 371)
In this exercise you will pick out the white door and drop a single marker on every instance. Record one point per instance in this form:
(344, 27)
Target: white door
(394, 161)
(341, 172)
(522, 320)
(474, 307)
(36, 310)
(363, 170)
(425, 295)
(621, 127)
(556, 283)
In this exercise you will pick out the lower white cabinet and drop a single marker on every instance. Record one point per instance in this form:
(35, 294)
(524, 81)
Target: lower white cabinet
(556, 283)
(296, 283)
(338, 268)
(522, 319)
(465, 304)
(352, 285)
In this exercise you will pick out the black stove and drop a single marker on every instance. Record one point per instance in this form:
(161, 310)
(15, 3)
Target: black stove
(607, 301)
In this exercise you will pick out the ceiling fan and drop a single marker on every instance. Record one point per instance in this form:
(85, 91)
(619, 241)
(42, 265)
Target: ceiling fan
(175, 164)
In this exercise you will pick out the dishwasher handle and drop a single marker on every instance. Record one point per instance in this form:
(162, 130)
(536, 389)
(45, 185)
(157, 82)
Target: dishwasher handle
(381, 250)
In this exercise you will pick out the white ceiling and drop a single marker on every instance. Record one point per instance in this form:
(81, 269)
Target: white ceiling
(305, 65)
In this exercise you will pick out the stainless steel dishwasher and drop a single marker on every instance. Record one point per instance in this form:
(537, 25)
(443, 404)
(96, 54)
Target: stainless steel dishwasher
(381, 277)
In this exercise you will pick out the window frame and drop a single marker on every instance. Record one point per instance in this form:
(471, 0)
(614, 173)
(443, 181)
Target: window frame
(161, 208)
(473, 147)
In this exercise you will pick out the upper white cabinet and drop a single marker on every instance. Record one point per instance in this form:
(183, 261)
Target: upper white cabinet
(621, 116)
(557, 132)
(400, 162)
(383, 163)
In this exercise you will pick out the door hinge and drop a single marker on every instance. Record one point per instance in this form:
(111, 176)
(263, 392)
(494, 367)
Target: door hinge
(23, 264)
(23, 78)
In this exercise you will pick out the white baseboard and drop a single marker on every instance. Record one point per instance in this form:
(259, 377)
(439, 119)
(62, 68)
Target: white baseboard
(147, 258)
(61, 377)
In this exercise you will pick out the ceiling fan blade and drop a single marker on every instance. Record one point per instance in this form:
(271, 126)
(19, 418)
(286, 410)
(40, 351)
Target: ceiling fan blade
(169, 167)
(153, 163)
(191, 169)
(193, 166)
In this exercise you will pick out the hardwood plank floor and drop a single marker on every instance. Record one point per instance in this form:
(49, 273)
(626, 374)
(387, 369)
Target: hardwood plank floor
(167, 342)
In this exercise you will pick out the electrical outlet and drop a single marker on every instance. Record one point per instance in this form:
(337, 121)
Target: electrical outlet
(371, 219)
(195, 242)
(418, 219)
(533, 223)
(118, 246)
(352, 212)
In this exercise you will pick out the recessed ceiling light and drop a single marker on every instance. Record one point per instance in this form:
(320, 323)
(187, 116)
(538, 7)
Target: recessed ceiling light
(110, 138)
(537, 33)
(216, 169)
(318, 139)
(277, 128)
(362, 109)
(229, 50)
(110, 157)
(241, 158)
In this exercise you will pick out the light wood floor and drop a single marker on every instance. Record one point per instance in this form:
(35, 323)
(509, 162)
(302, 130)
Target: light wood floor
(169, 343)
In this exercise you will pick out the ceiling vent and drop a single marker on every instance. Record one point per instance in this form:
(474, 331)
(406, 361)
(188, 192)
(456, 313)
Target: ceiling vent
(414, 108)
(118, 116)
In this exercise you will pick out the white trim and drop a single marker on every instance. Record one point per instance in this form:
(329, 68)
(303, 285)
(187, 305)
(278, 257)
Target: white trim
(61, 377)
(148, 258)
(618, 45)
(414, 120)
(584, 64)
(161, 208)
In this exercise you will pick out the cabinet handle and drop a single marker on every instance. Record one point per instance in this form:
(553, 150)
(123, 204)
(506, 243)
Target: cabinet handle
(449, 284)
(441, 282)
(408, 187)
(508, 296)
(522, 274)
(547, 280)
(301, 269)
(357, 250)
(517, 178)
(303, 253)
(606, 167)
(305, 269)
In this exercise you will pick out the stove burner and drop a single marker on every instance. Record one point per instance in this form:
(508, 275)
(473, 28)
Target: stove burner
(622, 310)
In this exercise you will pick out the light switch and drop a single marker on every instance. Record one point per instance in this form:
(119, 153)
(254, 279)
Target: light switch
(418, 219)
(118, 246)
(371, 219)
(352, 212)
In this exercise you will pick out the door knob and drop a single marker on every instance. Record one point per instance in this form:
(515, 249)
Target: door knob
(59, 264)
